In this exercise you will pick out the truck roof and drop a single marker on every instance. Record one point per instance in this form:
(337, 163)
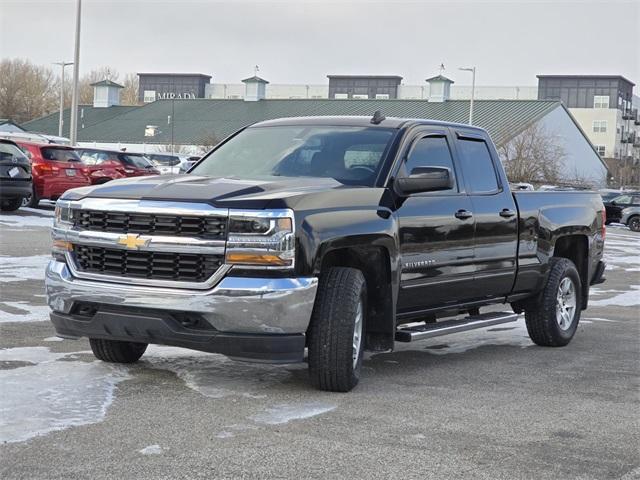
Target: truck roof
(360, 121)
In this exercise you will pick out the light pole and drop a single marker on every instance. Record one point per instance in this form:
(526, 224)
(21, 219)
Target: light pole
(473, 89)
(73, 127)
(60, 121)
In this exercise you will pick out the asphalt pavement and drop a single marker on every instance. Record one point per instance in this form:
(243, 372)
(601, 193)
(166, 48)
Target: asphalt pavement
(481, 404)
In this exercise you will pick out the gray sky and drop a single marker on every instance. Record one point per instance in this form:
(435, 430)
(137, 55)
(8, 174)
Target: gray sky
(301, 42)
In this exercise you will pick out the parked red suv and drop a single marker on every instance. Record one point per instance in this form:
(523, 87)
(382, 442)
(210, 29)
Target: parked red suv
(104, 165)
(55, 169)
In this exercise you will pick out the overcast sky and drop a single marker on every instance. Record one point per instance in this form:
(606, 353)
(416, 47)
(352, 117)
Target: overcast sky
(301, 42)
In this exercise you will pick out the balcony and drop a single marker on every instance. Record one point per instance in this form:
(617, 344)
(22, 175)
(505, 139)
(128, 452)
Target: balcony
(629, 114)
(628, 137)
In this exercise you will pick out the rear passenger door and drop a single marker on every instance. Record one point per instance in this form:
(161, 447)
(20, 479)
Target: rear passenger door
(436, 230)
(495, 213)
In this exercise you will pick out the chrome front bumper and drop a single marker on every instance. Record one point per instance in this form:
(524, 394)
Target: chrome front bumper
(235, 304)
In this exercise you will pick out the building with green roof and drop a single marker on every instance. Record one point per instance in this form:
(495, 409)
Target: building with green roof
(192, 123)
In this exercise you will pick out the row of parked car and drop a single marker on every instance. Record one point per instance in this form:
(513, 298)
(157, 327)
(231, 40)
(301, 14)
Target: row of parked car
(622, 207)
(31, 171)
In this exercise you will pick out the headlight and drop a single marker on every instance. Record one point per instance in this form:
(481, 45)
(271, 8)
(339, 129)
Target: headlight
(261, 239)
(63, 219)
(63, 214)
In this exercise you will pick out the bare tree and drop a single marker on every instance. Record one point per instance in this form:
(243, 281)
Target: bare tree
(129, 95)
(533, 156)
(27, 91)
(207, 142)
(177, 149)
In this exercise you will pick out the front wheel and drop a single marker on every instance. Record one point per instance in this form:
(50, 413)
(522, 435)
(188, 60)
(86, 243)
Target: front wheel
(553, 319)
(634, 223)
(336, 333)
(115, 351)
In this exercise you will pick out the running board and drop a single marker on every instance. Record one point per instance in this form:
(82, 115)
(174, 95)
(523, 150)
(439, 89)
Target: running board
(430, 330)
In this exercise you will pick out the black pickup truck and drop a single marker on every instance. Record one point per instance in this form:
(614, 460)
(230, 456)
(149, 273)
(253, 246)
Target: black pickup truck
(330, 234)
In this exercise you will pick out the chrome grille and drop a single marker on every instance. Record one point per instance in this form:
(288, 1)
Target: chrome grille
(207, 227)
(146, 264)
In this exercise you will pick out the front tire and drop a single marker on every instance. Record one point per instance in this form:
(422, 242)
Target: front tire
(553, 319)
(115, 351)
(634, 223)
(10, 204)
(336, 333)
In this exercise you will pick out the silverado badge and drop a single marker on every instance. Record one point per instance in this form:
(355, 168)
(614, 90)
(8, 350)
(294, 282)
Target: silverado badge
(133, 241)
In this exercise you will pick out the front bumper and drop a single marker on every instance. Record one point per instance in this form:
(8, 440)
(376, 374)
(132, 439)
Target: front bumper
(242, 317)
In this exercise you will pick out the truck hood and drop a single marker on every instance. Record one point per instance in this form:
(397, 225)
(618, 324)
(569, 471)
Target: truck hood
(219, 192)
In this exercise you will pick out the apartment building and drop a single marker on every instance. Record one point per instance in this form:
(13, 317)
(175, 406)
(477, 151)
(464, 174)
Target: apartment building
(604, 107)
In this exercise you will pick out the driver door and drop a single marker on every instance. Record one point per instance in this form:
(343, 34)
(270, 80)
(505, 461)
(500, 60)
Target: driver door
(436, 231)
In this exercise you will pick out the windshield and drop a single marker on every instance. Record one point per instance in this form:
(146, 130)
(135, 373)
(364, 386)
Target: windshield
(137, 161)
(60, 154)
(351, 155)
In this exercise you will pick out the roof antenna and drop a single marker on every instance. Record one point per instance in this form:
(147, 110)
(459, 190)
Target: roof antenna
(377, 118)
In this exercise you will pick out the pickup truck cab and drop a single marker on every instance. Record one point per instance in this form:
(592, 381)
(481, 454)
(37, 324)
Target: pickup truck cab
(331, 234)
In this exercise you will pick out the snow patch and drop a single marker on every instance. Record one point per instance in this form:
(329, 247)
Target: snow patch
(38, 211)
(52, 395)
(53, 339)
(25, 312)
(214, 375)
(151, 450)
(25, 222)
(17, 269)
(287, 412)
(629, 298)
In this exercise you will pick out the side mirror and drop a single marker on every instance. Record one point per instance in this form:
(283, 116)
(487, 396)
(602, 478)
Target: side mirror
(425, 179)
(613, 202)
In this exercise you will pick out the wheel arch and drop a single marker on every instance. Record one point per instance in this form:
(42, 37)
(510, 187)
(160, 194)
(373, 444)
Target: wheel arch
(374, 258)
(576, 248)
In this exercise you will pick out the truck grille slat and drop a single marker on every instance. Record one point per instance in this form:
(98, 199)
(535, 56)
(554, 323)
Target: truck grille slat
(143, 264)
(212, 228)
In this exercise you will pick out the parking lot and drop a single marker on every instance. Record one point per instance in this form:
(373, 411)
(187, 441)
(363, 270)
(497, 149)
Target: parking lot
(480, 404)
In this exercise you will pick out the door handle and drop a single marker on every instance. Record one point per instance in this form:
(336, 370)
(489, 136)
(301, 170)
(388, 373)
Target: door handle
(463, 214)
(506, 213)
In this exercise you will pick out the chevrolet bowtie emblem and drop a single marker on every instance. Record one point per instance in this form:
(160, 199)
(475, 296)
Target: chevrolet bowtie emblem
(133, 241)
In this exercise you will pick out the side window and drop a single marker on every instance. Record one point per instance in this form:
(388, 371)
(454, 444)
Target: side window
(476, 163)
(431, 151)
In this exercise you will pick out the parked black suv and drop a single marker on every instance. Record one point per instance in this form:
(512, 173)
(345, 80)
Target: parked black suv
(15, 176)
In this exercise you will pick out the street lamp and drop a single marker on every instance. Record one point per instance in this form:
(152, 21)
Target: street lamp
(73, 128)
(60, 121)
(473, 89)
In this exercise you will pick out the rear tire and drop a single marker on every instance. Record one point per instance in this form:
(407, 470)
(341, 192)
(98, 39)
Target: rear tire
(336, 333)
(552, 320)
(115, 351)
(11, 204)
(634, 223)
(33, 200)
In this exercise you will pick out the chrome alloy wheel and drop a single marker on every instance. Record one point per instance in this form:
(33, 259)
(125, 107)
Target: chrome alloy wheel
(357, 334)
(566, 303)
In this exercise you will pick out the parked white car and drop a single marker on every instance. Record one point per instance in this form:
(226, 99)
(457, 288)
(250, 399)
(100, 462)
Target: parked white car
(168, 163)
